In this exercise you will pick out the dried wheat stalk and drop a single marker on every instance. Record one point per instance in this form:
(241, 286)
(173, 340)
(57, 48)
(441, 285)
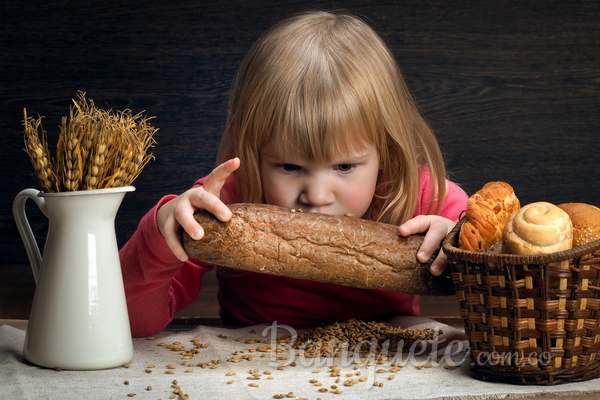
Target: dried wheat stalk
(96, 148)
(38, 152)
(70, 173)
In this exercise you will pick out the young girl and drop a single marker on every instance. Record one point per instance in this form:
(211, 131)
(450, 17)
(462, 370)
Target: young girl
(320, 120)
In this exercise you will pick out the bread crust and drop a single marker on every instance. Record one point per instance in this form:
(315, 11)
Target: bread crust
(538, 228)
(586, 222)
(488, 210)
(336, 249)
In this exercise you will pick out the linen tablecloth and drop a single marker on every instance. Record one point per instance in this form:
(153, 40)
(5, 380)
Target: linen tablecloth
(212, 372)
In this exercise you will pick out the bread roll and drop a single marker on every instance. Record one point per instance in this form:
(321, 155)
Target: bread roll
(336, 249)
(586, 222)
(538, 228)
(487, 213)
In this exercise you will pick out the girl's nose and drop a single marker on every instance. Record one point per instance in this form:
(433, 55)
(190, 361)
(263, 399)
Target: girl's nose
(317, 193)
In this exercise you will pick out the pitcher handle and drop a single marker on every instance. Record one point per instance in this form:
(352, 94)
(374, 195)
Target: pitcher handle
(33, 251)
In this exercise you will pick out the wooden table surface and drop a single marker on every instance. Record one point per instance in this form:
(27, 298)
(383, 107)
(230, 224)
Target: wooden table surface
(17, 289)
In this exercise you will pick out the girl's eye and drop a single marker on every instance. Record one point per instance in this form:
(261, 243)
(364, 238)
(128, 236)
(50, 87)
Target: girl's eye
(290, 167)
(345, 167)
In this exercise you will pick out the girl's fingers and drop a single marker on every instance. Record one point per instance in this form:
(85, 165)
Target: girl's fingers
(184, 217)
(179, 213)
(437, 228)
(418, 224)
(215, 181)
(171, 235)
(431, 242)
(439, 264)
(201, 199)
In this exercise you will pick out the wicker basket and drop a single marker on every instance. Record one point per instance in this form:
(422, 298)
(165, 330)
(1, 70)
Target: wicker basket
(530, 320)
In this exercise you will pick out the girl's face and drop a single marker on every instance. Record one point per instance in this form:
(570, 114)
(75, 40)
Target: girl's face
(345, 185)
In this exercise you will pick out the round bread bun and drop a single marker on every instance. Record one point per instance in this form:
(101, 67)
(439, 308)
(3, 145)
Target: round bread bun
(586, 222)
(538, 228)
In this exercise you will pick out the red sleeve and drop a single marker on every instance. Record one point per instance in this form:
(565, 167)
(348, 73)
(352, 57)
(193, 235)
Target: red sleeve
(156, 283)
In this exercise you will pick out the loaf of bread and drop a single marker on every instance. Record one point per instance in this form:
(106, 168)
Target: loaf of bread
(336, 249)
(538, 228)
(586, 222)
(487, 213)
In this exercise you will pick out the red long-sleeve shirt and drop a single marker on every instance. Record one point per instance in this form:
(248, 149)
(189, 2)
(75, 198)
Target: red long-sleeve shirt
(157, 284)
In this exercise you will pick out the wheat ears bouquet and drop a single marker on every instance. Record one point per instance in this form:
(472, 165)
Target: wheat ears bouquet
(96, 148)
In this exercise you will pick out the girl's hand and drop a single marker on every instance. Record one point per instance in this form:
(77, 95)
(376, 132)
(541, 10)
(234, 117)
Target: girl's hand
(179, 212)
(437, 228)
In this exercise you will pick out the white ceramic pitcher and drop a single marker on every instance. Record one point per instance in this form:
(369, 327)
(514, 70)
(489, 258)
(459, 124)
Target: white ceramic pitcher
(79, 316)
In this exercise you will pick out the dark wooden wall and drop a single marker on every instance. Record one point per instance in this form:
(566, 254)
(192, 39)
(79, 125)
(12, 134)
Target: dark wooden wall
(511, 88)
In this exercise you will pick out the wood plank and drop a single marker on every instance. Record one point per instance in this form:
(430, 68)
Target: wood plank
(15, 323)
(206, 305)
(17, 289)
(510, 88)
(439, 306)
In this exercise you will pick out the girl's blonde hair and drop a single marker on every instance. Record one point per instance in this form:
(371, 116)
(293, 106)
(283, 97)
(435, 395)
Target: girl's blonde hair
(323, 84)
